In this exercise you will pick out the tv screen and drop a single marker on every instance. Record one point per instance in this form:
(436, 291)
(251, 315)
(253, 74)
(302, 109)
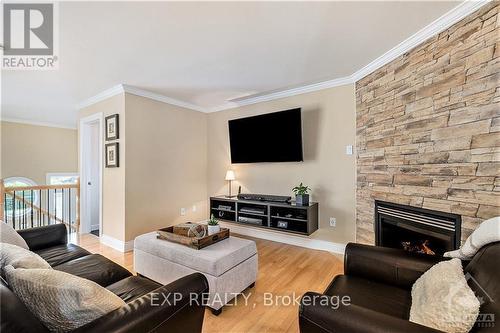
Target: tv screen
(272, 137)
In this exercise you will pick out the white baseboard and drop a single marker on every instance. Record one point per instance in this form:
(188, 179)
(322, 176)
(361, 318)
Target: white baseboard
(276, 236)
(117, 244)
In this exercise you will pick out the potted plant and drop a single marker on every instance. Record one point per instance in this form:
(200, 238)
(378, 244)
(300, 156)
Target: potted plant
(301, 195)
(213, 225)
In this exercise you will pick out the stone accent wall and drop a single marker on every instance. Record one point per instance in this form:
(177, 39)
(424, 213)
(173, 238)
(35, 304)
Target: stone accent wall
(428, 127)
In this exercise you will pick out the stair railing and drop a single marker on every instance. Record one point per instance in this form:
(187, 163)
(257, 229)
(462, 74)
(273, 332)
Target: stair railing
(32, 206)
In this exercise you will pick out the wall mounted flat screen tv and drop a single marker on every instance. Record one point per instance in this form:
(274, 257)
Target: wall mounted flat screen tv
(271, 137)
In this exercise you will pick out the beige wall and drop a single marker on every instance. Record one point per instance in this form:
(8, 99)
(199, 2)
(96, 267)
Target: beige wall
(328, 126)
(166, 166)
(33, 151)
(162, 169)
(113, 182)
(173, 158)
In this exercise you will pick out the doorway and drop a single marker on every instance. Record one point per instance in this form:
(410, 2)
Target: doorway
(91, 174)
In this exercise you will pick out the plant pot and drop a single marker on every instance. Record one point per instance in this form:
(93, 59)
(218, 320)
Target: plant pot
(302, 199)
(213, 229)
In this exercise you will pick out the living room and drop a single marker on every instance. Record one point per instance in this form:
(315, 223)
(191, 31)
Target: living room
(289, 163)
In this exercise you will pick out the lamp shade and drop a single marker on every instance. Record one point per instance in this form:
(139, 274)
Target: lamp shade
(230, 175)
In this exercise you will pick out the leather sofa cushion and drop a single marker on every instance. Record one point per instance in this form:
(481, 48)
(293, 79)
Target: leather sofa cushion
(133, 287)
(96, 268)
(375, 296)
(60, 254)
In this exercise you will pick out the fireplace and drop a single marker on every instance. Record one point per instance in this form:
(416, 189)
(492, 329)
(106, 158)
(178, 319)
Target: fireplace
(416, 229)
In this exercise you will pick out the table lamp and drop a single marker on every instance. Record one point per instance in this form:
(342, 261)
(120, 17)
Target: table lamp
(230, 176)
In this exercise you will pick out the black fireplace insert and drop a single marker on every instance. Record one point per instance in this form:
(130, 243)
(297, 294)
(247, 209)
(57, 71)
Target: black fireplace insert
(416, 229)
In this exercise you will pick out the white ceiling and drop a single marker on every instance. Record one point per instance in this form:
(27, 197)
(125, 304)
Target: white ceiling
(207, 53)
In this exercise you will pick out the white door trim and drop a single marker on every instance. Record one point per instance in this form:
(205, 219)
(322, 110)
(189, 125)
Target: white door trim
(83, 136)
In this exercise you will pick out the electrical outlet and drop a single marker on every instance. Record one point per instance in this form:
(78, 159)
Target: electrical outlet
(183, 211)
(194, 208)
(333, 221)
(348, 150)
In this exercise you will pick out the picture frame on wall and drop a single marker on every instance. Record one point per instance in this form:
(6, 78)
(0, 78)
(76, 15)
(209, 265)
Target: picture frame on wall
(112, 155)
(112, 127)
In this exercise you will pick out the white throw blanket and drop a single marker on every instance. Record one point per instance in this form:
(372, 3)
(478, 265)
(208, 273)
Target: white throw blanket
(487, 232)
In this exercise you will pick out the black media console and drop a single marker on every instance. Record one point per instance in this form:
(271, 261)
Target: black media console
(264, 214)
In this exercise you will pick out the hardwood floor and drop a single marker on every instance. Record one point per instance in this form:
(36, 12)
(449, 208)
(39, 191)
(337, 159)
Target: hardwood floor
(285, 272)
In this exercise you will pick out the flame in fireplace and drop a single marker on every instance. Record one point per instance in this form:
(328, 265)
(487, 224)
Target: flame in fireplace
(418, 247)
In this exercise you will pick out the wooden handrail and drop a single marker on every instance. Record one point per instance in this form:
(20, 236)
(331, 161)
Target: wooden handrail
(39, 187)
(12, 189)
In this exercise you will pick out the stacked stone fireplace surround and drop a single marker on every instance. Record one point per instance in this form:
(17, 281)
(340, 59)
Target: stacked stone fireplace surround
(428, 127)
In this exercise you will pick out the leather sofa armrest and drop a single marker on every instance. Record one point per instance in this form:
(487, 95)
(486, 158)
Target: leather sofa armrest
(320, 318)
(387, 265)
(158, 311)
(46, 236)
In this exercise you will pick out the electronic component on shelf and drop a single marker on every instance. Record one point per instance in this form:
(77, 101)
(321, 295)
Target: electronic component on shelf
(282, 224)
(253, 210)
(222, 207)
(264, 197)
(250, 220)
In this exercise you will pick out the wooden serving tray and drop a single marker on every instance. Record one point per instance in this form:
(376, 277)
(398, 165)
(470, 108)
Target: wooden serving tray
(178, 235)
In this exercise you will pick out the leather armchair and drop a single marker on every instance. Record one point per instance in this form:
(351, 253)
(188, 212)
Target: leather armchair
(353, 318)
(378, 282)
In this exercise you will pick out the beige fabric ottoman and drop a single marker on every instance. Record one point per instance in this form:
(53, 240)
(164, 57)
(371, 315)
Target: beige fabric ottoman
(230, 266)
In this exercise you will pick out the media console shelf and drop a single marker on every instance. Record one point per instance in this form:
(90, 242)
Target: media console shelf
(287, 217)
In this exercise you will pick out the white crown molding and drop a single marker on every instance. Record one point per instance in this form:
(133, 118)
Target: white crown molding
(116, 244)
(283, 93)
(161, 98)
(118, 89)
(36, 123)
(442, 23)
(124, 88)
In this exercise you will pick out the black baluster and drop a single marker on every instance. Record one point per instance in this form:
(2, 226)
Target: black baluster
(48, 206)
(24, 215)
(40, 215)
(69, 207)
(55, 203)
(14, 209)
(62, 204)
(32, 208)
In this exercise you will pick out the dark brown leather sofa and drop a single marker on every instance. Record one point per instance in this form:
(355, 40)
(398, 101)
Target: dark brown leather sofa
(139, 315)
(379, 280)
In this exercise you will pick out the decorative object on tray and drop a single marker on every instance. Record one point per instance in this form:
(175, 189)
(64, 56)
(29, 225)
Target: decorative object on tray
(186, 234)
(112, 128)
(190, 229)
(213, 225)
(112, 155)
(301, 195)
